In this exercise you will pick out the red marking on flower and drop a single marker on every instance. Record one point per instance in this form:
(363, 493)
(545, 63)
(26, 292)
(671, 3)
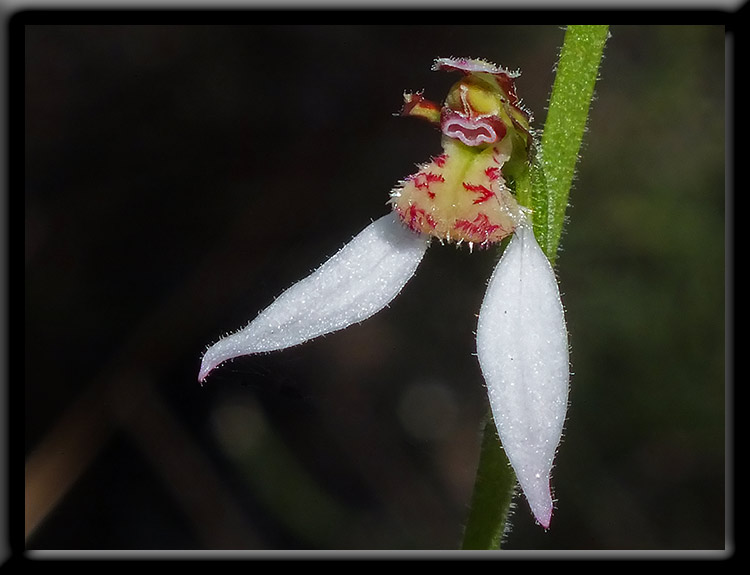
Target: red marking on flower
(417, 219)
(478, 230)
(472, 130)
(508, 85)
(422, 181)
(493, 173)
(440, 160)
(484, 192)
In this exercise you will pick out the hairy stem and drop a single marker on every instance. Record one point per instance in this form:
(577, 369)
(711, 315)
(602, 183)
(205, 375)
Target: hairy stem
(493, 494)
(552, 174)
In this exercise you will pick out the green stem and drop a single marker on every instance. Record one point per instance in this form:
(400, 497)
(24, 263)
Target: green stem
(546, 190)
(552, 174)
(494, 488)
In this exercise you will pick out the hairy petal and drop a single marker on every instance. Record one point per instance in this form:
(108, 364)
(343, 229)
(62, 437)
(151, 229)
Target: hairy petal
(522, 345)
(357, 282)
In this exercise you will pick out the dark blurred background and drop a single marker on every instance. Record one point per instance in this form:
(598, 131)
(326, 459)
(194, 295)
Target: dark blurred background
(178, 178)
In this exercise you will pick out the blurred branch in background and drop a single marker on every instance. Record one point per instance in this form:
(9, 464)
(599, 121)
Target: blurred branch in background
(123, 397)
(129, 402)
(57, 463)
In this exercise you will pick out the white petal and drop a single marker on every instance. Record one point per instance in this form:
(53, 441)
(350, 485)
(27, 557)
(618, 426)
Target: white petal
(357, 282)
(522, 344)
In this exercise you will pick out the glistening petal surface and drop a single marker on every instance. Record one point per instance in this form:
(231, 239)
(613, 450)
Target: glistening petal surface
(357, 282)
(522, 345)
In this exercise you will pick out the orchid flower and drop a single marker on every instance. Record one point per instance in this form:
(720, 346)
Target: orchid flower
(464, 196)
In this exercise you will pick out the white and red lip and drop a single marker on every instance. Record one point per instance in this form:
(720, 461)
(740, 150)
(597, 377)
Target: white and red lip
(472, 130)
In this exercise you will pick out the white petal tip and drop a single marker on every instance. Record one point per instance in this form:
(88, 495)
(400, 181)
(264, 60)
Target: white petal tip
(229, 347)
(539, 498)
(206, 368)
(544, 518)
(212, 359)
